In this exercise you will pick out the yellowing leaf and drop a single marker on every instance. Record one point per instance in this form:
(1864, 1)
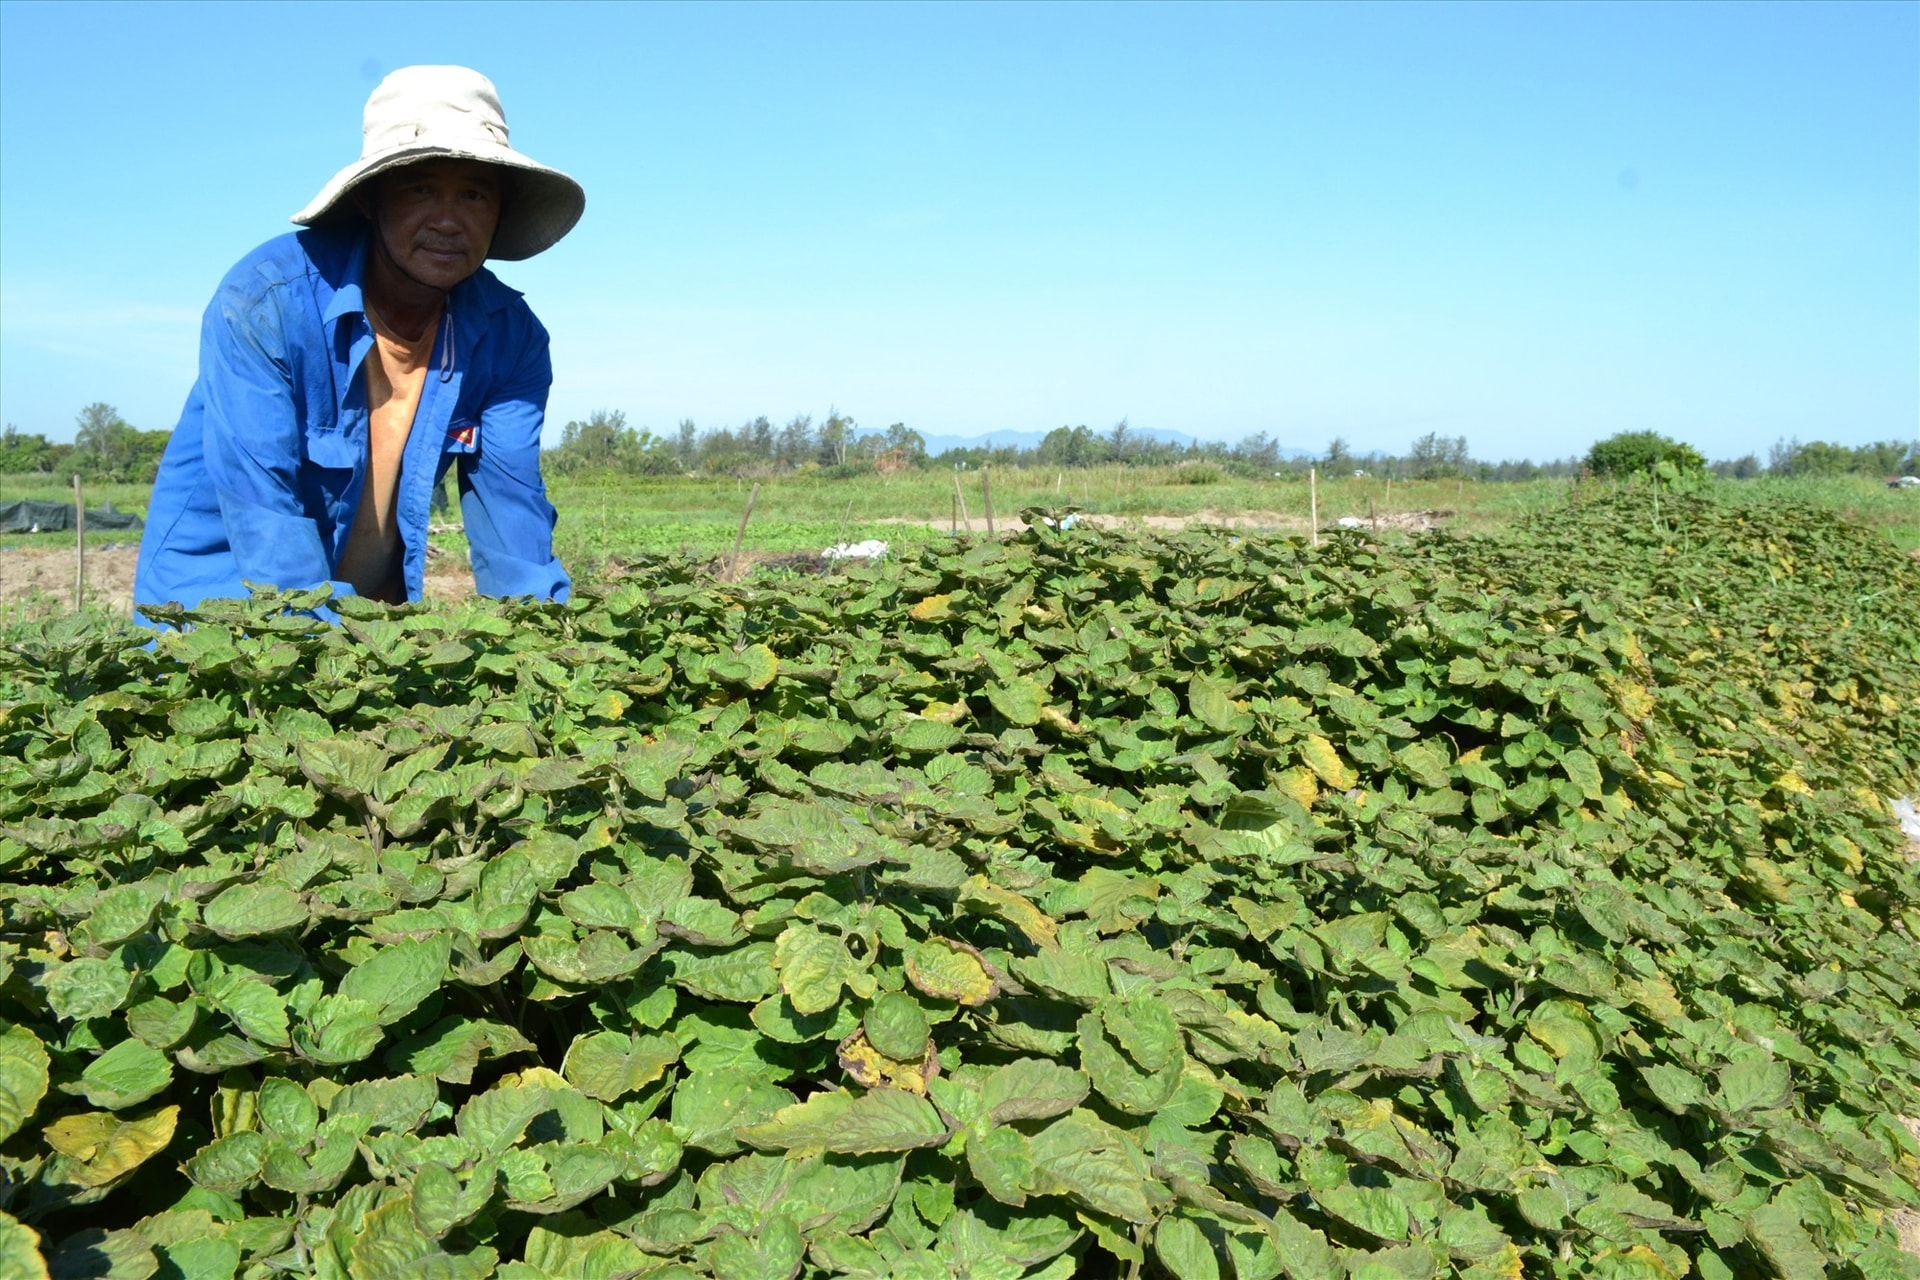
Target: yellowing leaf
(875, 1070)
(1319, 755)
(947, 971)
(1059, 720)
(1298, 784)
(932, 609)
(982, 895)
(106, 1148)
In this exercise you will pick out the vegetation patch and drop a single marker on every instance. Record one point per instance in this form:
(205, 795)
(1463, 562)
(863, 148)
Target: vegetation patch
(1193, 906)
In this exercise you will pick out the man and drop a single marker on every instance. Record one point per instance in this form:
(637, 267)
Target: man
(346, 367)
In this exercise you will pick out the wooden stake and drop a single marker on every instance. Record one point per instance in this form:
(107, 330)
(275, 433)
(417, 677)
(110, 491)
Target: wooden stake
(954, 527)
(733, 563)
(1374, 517)
(1313, 502)
(961, 498)
(986, 487)
(79, 547)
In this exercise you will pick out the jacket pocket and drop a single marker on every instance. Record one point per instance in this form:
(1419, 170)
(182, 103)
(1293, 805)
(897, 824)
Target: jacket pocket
(336, 450)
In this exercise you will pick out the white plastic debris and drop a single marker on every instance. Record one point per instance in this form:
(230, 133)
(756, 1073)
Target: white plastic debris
(1064, 522)
(871, 549)
(1907, 813)
(1351, 522)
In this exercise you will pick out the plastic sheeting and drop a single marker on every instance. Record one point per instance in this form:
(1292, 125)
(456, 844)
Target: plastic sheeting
(52, 517)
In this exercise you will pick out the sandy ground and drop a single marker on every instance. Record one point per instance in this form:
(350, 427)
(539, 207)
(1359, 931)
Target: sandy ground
(29, 572)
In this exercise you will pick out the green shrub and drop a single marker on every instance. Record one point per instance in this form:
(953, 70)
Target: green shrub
(1641, 453)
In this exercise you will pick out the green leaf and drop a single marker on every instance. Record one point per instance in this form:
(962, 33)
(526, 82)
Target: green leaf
(390, 1245)
(254, 1007)
(713, 1109)
(122, 911)
(214, 1258)
(774, 1254)
(87, 988)
(1032, 1089)
(1378, 1211)
(23, 1079)
(1775, 1231)
(1001, 1160)
(813, 967)
(397, 978)
(230, 1164)
(247, 910)
(20, 1251)
(1019, 701)
(609, 1064)
(1099, 1167)
(126, 1076)
(896, 1025)
(850, 1124)
(288, 1112)
(1755, 1083)
(744, 975)
(94, 1254)
(1119, 1081)
(1675, 1087)
(1183, 1249)
(346, 767)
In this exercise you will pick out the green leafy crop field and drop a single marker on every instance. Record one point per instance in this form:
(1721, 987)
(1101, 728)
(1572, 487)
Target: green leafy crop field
(1083, 904)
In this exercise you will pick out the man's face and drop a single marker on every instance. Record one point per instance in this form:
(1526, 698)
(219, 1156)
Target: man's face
(437, 218)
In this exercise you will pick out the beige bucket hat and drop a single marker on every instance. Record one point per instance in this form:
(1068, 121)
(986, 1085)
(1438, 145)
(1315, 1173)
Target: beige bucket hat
(425, 113)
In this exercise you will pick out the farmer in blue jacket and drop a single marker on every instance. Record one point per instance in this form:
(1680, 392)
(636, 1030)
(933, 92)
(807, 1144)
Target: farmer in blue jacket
(344, 368)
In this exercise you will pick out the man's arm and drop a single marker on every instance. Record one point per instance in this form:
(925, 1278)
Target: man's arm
(503, 499)
(253, 444)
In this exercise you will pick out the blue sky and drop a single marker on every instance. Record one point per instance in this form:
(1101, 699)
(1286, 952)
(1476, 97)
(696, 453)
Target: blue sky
(1531, 225)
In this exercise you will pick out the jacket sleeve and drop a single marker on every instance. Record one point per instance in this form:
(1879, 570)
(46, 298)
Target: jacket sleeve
(253, 442)
(503, 499)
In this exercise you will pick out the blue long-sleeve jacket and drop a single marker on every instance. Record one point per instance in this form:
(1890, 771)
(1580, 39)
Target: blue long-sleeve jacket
(263, 475)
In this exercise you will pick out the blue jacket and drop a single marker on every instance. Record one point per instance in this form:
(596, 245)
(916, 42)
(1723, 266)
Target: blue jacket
(262, 477)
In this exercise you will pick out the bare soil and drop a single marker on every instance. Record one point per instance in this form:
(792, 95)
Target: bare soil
(1248, 521)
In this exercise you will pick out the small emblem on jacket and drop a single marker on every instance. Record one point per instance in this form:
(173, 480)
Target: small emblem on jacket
(464, 434)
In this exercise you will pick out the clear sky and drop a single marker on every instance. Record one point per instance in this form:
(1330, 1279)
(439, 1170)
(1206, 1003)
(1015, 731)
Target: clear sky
(1529, 224)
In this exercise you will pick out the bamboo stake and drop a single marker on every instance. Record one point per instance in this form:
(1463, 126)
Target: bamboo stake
(953, 528)
(1374, 516)
(961, 498)
(1313, 502)
(733, 563)
(79, 547)
(986, 487)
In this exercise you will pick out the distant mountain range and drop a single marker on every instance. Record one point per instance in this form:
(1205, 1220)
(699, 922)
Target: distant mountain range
(1008, 439)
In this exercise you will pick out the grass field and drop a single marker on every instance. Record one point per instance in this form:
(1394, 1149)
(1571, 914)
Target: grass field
(628, 516)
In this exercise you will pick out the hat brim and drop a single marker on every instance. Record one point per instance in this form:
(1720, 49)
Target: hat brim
(545, 206)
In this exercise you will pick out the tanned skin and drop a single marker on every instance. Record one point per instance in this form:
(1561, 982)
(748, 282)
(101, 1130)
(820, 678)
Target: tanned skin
(433, 223)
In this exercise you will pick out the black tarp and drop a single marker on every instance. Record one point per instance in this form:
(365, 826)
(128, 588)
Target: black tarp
(51, 517)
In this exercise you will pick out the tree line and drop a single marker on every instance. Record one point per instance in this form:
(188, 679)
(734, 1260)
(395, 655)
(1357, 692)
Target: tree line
(108, 448)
